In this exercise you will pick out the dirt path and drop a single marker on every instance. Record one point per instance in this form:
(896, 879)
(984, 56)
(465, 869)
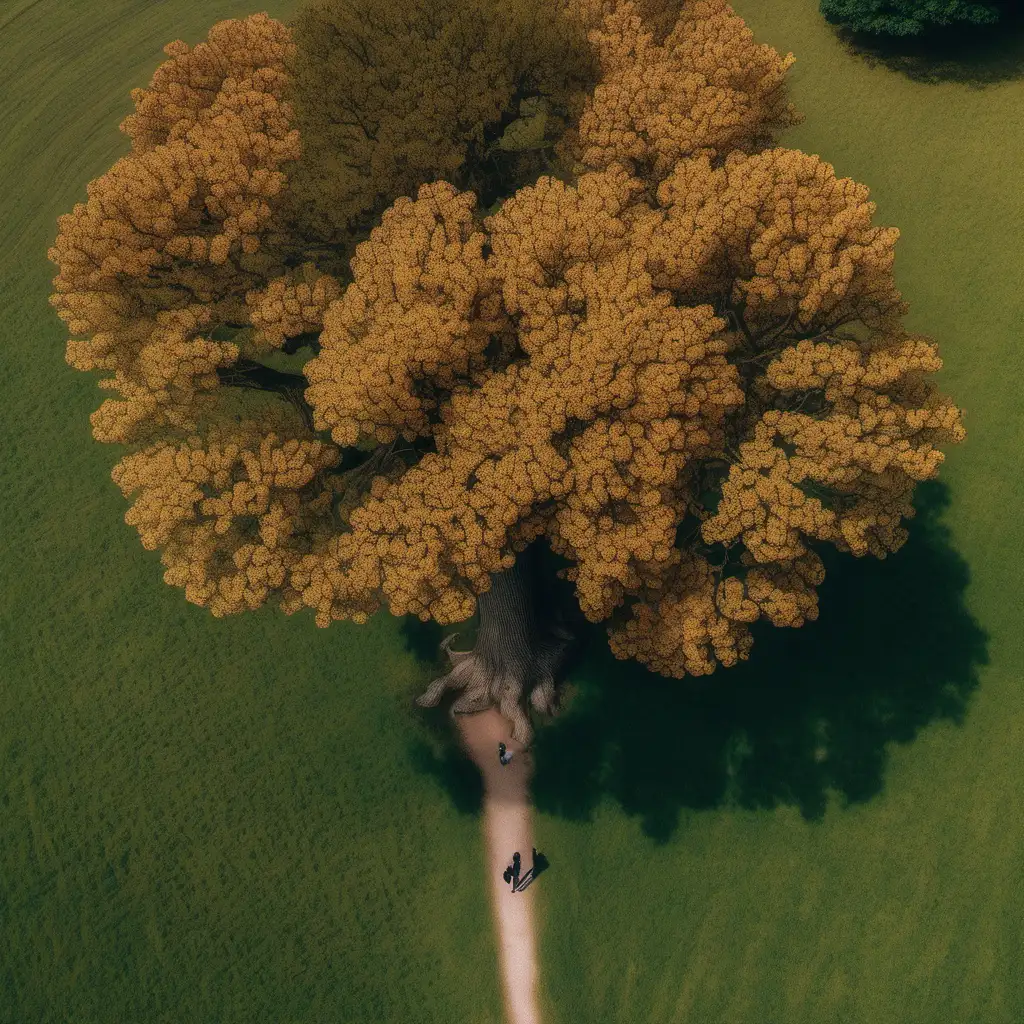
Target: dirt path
(507, 829)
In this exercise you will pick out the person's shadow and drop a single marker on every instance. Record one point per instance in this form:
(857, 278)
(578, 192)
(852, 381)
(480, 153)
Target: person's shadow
(810, 715)
(540, 863)
(976, 55)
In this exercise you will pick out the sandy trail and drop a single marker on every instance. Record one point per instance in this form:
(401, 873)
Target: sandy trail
(507, 829)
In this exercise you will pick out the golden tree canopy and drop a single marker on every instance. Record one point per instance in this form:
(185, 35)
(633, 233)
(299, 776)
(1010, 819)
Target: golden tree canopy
(683, 365)
(706, 88)
(392, 94)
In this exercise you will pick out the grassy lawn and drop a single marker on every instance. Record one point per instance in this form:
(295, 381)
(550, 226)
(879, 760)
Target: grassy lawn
(202, 820)
(243, 819)
(770, 847)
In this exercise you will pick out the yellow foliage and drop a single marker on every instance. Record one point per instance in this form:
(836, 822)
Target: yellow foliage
(421, 310)
(233, 511)
(878, 439)
(790, 237)
(393, 94)
(290, 305)
(629, 381)
(189, 85)
(618, 372)
(165, 244)
(586, 364)
(707, 88)
(682, 631)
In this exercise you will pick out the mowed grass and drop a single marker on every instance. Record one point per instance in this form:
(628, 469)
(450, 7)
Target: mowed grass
(242, 820)
(834, 832)
(200, 820)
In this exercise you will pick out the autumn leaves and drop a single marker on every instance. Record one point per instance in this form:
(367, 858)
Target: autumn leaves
(707, 87)
(568, 367)
(163, 250)
(422, 307)
(233, 511)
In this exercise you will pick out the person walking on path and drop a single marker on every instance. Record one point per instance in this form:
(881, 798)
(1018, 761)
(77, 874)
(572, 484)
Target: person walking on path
(507, 875)
(516, 865)
(503, 754)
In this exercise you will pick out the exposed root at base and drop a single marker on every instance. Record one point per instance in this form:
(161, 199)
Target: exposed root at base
(504, 688)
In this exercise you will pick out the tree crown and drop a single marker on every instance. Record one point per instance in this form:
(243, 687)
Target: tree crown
(682, 363)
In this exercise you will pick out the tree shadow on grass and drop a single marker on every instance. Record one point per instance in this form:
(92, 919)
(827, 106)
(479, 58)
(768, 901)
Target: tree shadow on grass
(439, 755)
(809, 717)
(423, 639)
(811, 714)
(975, 55)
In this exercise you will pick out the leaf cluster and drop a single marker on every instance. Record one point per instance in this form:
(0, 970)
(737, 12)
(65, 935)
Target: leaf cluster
(681, 360)
(392, 94)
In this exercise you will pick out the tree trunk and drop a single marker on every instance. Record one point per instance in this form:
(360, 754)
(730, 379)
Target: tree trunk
(515, 657)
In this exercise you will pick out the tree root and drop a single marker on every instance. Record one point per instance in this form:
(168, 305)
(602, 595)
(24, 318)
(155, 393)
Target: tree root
(506, 686)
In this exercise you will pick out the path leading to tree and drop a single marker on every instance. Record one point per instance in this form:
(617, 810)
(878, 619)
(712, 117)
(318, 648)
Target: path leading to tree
(507, 828)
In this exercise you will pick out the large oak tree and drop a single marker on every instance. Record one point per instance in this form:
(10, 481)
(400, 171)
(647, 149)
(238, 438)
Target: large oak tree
(677, 358)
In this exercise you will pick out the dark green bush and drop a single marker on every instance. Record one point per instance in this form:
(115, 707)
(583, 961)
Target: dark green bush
(910, 17)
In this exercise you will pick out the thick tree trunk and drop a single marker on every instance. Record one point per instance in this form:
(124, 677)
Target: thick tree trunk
(516, 657)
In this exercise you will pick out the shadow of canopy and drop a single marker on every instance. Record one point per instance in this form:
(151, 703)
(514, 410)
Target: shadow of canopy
(974, 55)
(808, 717)
(811, 713)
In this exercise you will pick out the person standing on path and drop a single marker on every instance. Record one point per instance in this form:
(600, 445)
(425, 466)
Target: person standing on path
(516, 865)
(503, 754)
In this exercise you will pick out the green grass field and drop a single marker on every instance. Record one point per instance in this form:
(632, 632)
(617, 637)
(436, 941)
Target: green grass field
(245, 820)
(201, 821)
(902, 900)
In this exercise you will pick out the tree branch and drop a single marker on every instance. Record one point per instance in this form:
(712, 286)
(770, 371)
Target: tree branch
(777, 331)
(736, 312)
(766, 354)
(823, 332)
(247, 373)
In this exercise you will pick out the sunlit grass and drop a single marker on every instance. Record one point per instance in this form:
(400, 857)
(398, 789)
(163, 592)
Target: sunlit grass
(202, 820)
